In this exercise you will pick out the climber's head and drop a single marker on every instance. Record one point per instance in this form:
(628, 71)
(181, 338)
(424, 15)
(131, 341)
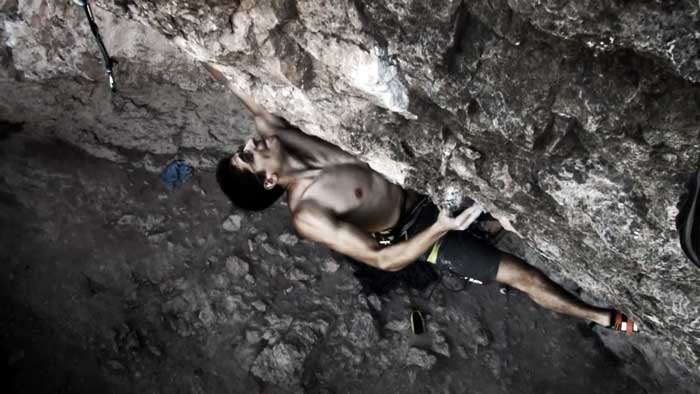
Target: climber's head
(250, 176)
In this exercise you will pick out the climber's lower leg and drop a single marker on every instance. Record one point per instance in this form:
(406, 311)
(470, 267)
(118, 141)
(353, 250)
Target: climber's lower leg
(516, 273)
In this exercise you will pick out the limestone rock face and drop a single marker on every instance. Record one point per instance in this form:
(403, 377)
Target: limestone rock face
(579, 122)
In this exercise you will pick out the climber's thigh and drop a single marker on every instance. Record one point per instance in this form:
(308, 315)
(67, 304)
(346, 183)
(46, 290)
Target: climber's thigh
(467, 256)
(517, 273)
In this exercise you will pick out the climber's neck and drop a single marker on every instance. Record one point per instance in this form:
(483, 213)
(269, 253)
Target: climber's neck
(295, 169)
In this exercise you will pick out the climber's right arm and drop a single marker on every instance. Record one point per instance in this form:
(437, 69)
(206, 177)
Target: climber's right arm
(265, 122)
(269, 125)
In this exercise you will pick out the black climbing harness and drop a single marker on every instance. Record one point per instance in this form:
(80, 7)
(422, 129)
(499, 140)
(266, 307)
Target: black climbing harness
(108, 62)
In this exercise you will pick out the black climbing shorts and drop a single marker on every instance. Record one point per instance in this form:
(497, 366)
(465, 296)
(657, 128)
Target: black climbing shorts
(458, 251)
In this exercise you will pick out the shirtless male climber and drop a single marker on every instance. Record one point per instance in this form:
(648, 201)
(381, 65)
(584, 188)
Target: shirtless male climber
(339, 201)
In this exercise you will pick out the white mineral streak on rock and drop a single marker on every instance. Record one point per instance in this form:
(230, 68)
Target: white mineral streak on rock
(463, 164)
(586, 203)
(547, 248)
(447, 150)
(373, 73)
(263, 18)
(503, 181)
(452, 196)
(395, 171)
(606, 207)
(234, 40)
(671, 213)
(197, 52)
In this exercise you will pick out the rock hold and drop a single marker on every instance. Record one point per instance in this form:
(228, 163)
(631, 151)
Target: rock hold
(232, 223)
(259, 305)
(440, 344)
(398, 325)
(206, 315)
(289, 239)
(260, 238)
(482, 337)
(252, 337)
(236, 267)
(330, 266)
(282, 363)
(375, 302)
(420, 358)
(297, 274)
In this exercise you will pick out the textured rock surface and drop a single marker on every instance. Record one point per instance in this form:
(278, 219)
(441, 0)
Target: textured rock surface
(578, 121)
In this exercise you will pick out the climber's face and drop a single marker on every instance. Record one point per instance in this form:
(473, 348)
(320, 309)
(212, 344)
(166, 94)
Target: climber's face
(260, 156)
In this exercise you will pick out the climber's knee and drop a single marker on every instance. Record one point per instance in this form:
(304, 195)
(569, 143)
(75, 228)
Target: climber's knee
(517, 273)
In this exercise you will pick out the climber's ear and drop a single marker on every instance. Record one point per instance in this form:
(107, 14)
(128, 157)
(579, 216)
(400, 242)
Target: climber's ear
(270, 181)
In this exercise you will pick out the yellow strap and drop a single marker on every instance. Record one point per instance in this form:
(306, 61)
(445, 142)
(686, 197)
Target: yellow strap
(432, 258)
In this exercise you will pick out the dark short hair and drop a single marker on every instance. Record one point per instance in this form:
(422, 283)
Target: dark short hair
(244, 188)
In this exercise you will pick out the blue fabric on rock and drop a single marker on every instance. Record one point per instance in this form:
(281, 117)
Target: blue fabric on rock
(176, 174)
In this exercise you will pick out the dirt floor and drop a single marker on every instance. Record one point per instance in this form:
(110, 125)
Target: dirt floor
(112, 284)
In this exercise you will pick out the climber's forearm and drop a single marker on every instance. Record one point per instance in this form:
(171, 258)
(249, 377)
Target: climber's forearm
(265, 122)
(395, 257)
(398, 256)
(248, 101)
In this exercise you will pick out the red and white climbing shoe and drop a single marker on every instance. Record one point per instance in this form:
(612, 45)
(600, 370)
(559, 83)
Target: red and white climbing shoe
(620, 322)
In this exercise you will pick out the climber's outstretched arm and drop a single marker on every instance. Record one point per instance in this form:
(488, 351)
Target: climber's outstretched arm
(263, 119)
(266, 123)
(315, 149)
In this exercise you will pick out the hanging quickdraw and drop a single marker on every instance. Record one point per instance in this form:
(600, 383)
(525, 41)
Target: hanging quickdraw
(108, 62)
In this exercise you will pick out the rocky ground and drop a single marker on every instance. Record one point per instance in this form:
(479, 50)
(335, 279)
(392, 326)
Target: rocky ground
(113, 284)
